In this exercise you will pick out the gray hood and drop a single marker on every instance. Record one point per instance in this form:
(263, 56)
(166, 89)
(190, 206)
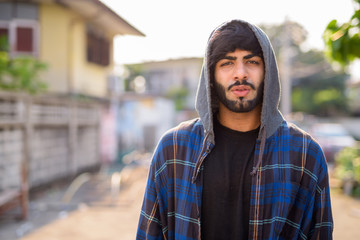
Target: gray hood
(271, 117)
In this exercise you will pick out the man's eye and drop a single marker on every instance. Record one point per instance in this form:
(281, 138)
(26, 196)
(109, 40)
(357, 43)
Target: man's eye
(253, 62)
(225, 64)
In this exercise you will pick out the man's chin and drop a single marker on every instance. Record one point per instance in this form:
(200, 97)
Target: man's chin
(243, 100)
(241, 106)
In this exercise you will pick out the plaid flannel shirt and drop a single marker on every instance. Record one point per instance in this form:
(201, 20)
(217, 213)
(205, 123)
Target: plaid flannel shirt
(290, 196)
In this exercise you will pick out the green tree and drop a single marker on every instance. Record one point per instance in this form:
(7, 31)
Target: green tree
(131, 72)
(348, 169)
(316, 87)
(276, 33)
(342, 41)
(20, 73)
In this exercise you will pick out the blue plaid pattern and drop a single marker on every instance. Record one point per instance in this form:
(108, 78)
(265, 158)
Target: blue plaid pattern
(290, 196)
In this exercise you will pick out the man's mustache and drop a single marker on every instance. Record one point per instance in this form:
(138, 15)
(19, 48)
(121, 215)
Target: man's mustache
(244, 82)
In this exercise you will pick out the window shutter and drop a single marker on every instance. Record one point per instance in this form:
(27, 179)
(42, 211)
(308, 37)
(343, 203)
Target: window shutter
(98, 49)
(24, 41)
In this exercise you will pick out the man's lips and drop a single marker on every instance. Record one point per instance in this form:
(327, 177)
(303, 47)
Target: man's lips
(240, 91)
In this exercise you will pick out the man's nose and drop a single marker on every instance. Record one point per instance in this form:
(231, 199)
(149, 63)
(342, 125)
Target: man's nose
(240, 71)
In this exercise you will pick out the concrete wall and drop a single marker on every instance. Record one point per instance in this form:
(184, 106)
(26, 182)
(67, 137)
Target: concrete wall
(51, 139)
(11, 156)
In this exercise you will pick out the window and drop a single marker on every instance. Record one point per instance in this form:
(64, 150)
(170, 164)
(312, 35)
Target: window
(24, 39)
(19, 28)
(98, 49)
(20, 36)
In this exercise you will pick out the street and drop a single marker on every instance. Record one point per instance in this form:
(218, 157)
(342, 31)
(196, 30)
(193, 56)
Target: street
(111, 216)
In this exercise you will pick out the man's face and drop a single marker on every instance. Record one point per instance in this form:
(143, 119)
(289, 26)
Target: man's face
(239, 80)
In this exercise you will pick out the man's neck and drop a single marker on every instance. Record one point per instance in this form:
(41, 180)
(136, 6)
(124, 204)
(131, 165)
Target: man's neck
(242, 122)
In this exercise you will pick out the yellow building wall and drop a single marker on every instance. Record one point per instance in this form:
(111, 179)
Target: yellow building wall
(88, 77)
(54, 23)
(63, 47)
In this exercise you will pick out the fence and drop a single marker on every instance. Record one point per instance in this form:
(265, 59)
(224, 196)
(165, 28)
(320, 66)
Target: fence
(43, 139)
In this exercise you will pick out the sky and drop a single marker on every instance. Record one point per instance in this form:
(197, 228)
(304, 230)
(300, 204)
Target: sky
(176, 29)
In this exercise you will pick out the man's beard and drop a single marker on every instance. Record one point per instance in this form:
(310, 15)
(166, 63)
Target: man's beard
(241, 105)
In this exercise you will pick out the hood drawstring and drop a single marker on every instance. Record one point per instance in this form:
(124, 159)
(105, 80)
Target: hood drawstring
(262, 146)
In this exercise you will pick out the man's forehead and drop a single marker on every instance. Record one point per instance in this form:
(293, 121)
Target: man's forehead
(245, 54)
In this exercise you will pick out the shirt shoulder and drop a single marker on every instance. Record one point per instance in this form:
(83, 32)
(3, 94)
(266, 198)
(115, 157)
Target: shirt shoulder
(296, 131)
(186, 136)
(308, 145)
(184, 131)
(293, 131)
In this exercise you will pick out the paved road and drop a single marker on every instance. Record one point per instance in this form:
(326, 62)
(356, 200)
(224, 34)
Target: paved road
(103, 215)
(111, 217)
(346, 214)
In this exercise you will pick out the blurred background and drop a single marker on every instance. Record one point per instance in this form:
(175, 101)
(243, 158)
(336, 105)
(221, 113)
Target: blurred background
(88, 87)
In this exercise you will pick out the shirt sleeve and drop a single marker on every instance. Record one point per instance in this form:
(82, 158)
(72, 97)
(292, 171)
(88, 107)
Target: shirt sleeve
(322, 226)
(150, 226)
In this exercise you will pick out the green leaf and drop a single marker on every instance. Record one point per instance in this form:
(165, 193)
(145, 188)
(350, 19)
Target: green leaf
(332, 26)
(21, 74)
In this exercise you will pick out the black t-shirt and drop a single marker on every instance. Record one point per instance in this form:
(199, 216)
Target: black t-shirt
(227, 184)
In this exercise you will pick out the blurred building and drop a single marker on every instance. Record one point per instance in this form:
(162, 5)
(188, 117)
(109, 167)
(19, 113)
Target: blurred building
(164, 76)
(72, 127)
(75, 38)
(143, 119)
(149, 105)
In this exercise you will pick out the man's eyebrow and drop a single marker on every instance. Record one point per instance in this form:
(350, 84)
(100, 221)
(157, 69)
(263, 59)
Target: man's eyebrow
(229, 58)
(251, 56)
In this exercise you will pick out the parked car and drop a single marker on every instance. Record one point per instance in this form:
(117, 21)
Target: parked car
(332, 137)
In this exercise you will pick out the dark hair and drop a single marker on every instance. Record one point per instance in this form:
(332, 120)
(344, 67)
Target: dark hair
(229, 37)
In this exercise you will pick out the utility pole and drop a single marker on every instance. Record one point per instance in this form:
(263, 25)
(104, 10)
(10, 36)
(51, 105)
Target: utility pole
(285, 70)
